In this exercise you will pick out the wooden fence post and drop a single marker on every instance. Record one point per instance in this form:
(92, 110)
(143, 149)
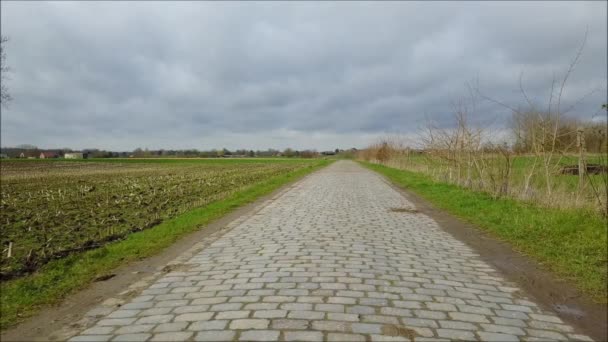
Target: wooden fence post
(582, 165)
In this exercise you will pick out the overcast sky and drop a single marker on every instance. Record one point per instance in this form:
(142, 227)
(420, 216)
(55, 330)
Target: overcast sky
(275, 75)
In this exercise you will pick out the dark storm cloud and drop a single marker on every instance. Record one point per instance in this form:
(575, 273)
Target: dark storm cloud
(318, 75)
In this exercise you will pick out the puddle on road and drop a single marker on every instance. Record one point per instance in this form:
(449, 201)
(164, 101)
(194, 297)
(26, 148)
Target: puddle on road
(395, 330)
(561, 308)
(404, 210)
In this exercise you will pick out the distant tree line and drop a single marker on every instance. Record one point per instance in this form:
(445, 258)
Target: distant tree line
(223, 153)
(32, 151)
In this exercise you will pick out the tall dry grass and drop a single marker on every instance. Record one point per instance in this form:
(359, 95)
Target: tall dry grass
(497, 170)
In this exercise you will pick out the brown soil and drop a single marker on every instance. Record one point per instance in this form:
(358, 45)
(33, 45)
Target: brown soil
(546, 289)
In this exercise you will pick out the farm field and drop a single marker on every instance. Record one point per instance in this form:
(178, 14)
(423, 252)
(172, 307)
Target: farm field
(51, 209)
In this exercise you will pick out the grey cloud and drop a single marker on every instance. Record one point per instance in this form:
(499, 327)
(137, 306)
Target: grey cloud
(304, 75)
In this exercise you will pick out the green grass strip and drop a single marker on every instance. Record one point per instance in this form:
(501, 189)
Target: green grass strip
(23, 297)
(571, 243)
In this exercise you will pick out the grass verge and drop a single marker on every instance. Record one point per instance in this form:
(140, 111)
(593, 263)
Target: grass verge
(21, 298)
(571, 243)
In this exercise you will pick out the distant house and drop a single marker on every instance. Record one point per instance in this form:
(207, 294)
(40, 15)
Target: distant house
(3, 156)
(29, 154)
(47, 155)
(74, 155)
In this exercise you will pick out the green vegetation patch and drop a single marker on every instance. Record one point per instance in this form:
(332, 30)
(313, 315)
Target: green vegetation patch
(572, 243)
(23, 296)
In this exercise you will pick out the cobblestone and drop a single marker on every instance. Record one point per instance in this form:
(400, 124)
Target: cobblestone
(328, 259)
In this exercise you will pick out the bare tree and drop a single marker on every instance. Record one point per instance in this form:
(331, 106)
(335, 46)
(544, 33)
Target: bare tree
(542, 131)
(5, 97)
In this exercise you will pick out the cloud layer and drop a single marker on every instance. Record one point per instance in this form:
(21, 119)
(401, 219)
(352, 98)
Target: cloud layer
(301, 75)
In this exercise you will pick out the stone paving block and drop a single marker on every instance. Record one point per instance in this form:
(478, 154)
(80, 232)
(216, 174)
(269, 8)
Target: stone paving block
(366, 328)
(546, 318)
(155, 311)
(289, 324)
(396, 312)
(304, 336)
(329, 307)
(232, 314)
(457, 325)
(279, 299)
(379, 319)
(475, 310)
(341, 300)
(132, 337)
(546, 334)
(430, 314)
(194, 317)
(336, 316)
(124, 313)
(208, 325)
(261, 306)
(360, 309)
(217, 335)
(259, 335)
(270, 313)
(244, 324)
(226, 307)
(168, 327)
(296, 306)
(456, 334)
(171, 303)
(549, 326)
(172, 336)
(521, 308)
(510, 330)
(466, 317)
(134, 329)
(156, 319)
(508, 321)
(407, 304)
(188, 309)
(384, 338)
(496, 337)
(116, 321)
(310, 315)
(337, 337)
(331, 326)
(419, 322)
(512, 314)
(91, 338)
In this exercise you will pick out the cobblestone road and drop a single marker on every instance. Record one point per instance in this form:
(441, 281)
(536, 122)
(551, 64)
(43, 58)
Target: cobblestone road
(338, 257)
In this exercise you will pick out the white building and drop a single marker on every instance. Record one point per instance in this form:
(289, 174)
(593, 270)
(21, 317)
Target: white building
(74, 155)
